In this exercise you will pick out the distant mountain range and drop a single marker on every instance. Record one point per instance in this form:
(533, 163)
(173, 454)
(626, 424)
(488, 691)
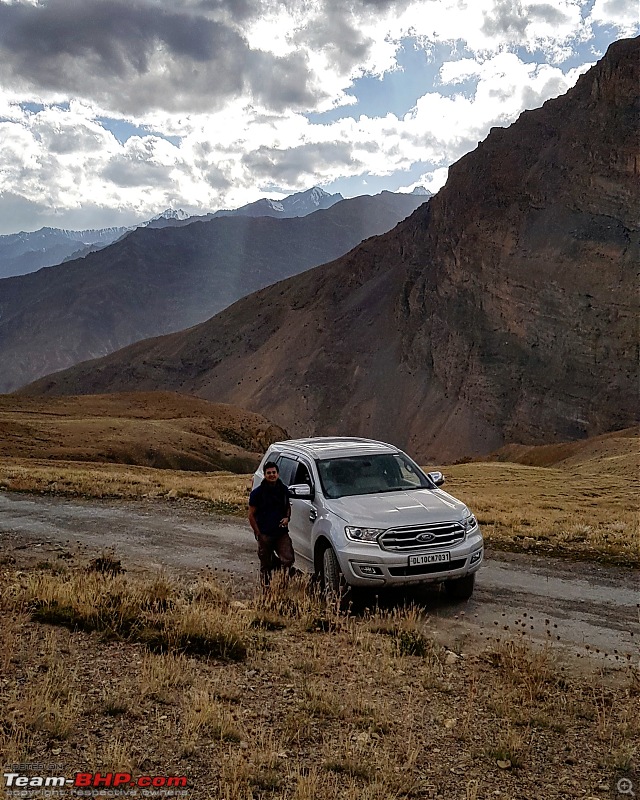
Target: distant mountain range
(25, 252)
(169, 216)
(22, 253)
(295, 205)
(503, 310)
(155, 281)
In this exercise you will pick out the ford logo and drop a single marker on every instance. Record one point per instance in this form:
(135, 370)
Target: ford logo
(426, 537)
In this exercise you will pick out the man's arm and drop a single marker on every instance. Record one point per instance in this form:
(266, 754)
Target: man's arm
(285, 520)
(253, 522)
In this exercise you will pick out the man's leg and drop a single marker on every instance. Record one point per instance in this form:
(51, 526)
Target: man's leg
(265, 554)
(284, 549)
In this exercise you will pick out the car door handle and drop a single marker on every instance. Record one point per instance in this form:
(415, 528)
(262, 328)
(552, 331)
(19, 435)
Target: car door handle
(313, 514)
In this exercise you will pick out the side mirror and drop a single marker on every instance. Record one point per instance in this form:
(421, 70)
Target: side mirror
(301, 490)
(437, 478)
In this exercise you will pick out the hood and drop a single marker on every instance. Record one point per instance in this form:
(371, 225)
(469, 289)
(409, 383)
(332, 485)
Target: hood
(394, 509)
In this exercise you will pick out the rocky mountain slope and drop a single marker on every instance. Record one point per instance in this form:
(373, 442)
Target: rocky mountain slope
(157, 281)
(502, 310)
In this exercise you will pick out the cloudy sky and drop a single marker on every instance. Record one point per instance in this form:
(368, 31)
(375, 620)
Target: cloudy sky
(112, 110)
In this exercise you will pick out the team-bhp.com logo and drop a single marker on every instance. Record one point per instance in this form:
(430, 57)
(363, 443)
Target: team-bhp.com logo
(94, 780)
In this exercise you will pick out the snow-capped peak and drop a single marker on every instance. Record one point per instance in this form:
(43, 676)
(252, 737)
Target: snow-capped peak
(170, 213)
(317, 194)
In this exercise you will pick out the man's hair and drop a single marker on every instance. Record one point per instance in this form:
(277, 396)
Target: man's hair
(270, 465)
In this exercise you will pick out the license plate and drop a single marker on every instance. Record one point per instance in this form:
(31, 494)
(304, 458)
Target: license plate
(429, 558)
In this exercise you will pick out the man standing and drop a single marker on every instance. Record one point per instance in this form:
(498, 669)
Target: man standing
(269, 515)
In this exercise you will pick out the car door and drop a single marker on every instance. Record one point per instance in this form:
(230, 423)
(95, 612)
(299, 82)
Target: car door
(303, 516)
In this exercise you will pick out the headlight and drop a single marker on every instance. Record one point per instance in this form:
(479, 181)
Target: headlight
(469, 523)
(369, 535)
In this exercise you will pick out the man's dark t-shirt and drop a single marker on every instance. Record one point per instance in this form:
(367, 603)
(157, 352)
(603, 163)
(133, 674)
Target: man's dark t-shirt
(271, 504)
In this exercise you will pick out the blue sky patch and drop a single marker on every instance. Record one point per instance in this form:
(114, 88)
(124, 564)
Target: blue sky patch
(124, 130)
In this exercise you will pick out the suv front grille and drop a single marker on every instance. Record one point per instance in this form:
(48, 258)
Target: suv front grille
(444, 534)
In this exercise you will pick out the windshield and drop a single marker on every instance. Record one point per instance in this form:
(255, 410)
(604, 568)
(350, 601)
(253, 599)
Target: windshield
(387, 472)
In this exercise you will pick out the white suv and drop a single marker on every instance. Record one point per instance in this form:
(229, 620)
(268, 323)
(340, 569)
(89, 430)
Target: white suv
(364, 514)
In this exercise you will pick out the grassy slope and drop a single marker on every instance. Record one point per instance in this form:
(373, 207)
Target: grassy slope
(578, 499)
(156, 429)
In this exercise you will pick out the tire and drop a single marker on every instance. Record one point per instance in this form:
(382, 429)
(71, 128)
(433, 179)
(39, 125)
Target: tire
(333, 581)
(460, 589)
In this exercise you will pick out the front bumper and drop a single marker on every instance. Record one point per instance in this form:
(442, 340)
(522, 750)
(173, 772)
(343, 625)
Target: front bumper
(362, 567)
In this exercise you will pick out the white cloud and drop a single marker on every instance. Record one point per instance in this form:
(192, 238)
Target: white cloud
(67, 159)
(433, 180)
(619, 14)
(234, 80)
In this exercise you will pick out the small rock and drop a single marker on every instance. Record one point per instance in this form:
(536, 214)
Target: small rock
(504, 764)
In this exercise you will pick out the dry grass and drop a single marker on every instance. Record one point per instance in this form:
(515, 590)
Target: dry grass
(48, 704)
(206, 718)
(567, 512)
(340, 711)
(153, 611)
(224, 492)
(161, 677)
(579, 499)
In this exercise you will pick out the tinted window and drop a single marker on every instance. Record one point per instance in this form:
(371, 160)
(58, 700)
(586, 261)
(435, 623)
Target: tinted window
(287, 468)
(302, 475)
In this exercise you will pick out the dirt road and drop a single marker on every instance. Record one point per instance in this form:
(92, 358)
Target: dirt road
(584, 609)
